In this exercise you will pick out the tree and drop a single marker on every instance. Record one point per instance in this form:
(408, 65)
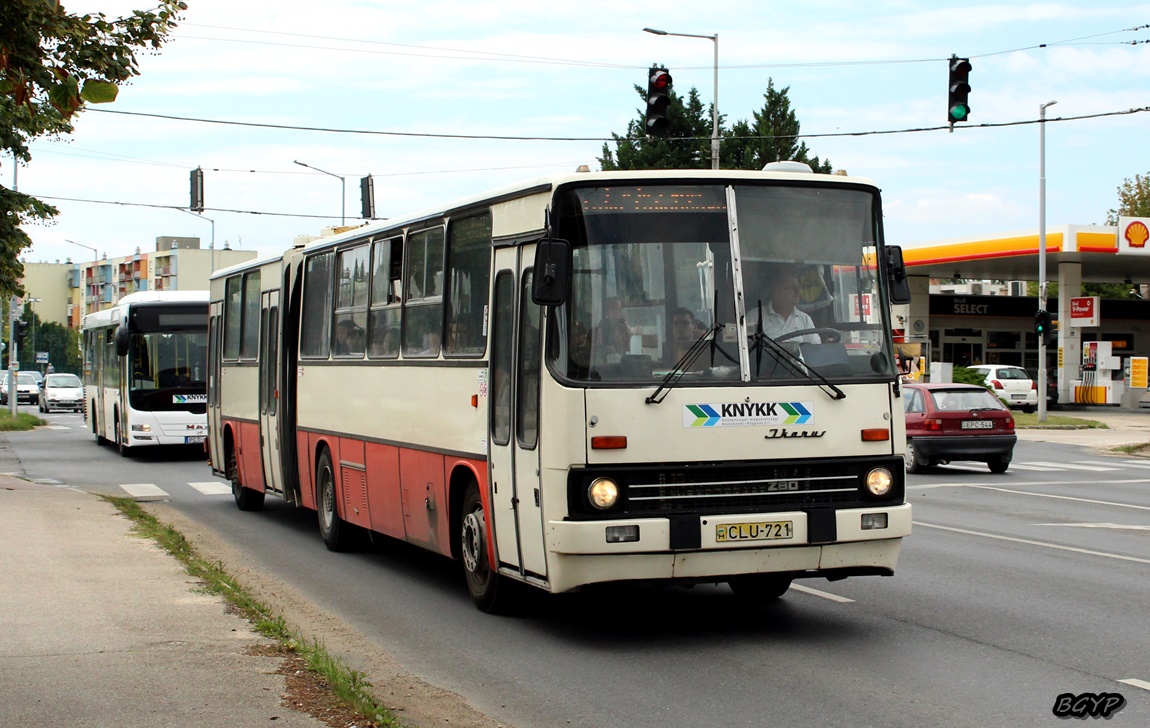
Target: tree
(51, 65)
(771, 137)
(1133, 199)
(687, 144)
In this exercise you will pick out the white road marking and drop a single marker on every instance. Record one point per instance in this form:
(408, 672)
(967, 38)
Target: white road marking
(1031, 466)
(213, 487)
(1125, 463)
(57, 427)
(823, 594)
(1136, 463)
(1119, 526)
(1063, 497)
(143, 490)
(1030, 542)
(1074, 466)
(1136, 683)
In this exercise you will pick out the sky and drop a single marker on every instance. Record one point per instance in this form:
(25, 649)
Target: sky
(358, 87)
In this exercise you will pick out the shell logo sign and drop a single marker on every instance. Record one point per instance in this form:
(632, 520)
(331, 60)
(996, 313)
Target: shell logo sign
(1133, 235)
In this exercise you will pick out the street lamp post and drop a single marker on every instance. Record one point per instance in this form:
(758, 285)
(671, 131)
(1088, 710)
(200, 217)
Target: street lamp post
(32, 309)
(1042, 255)
(213, 245)
(715, 103)
(342, 188)
(95, 262)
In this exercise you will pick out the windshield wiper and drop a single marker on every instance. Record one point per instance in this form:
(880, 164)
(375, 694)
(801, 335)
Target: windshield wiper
(685, 361)
(792, 363)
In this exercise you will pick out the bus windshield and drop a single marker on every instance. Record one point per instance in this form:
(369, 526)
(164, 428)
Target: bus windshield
(660, 269)
(168, 369)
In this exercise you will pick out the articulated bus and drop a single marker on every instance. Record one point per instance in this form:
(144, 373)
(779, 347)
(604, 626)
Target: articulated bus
(583, 380)
(145, 370)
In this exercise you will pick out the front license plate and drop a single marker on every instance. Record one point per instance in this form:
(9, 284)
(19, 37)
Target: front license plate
(754, 531)
(194, 439)
(978, 424)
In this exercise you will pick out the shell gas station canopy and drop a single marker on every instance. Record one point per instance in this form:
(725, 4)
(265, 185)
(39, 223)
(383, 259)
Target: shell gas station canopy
(1075, 254)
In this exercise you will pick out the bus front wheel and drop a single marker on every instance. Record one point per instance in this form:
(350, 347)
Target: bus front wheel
(490, 592)
(334, 530)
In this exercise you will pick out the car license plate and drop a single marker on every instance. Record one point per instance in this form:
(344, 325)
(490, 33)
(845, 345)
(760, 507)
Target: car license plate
(1018, 396)
(191, 439)
(978, 424)
(754, 531)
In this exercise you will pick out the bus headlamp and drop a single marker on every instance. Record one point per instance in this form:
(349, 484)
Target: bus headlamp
(603, 493)
(879, 482)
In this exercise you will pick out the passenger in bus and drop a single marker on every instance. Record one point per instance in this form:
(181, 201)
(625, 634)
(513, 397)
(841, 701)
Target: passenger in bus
(685, 331)
(343, 331)
(612, 335)
(781, 315)
(815, 297)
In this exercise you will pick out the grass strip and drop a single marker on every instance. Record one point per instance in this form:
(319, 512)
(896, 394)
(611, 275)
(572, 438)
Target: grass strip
(350, 686)
(22, 422)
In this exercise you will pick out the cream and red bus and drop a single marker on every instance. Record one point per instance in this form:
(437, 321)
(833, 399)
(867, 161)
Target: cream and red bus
(583, 380)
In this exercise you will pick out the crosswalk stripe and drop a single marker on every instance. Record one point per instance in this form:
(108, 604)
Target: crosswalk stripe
(213, 487)
(143, 490)
(1036, 468)
(1074, 466)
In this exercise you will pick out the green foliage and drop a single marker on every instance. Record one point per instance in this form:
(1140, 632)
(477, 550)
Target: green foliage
(51, 64)
(1133, 199)
(22, 422)
(1102, 290)
(770, 136)
(962, 375)
(61, 343)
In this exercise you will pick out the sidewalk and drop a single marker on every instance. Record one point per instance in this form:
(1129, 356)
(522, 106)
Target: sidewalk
(102, 628)
(1125, 427)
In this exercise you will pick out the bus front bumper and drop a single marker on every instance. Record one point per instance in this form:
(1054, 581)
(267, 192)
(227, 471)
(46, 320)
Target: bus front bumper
(580, 553)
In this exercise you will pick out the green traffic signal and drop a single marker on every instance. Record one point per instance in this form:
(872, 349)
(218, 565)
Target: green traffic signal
(959, 112)
(958, 89)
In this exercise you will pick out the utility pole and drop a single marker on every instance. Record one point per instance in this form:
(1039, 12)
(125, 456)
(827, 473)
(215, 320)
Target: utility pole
(13, 359)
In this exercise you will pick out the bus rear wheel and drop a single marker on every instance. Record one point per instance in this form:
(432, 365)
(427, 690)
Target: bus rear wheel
(246, 498)
(334, 530)
(489, 591)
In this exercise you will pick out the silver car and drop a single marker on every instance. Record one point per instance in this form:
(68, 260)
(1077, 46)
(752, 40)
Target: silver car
(61, 392)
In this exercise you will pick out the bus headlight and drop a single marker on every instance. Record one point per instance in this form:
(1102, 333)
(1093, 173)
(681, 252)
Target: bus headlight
(603, 493)
(879, 482)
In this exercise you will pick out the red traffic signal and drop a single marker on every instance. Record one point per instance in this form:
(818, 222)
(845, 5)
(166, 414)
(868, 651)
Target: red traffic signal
(658, 101)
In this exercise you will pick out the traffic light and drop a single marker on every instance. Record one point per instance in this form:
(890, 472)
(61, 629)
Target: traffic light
(367, 198)
(1042, 323)
(197, 183)
(20, 331)
(658, 100)
(957, 106)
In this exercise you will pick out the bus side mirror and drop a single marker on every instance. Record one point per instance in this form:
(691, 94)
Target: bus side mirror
(552, 272)
(896, 275)
(121, 340)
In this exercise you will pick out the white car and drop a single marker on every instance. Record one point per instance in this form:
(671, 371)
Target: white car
(1012, 384)
(61, 391)
(26, 388)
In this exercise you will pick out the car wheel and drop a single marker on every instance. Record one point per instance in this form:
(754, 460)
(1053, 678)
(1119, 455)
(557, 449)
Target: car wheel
(761, 587)
(913, 463)
(1029, 409)
(998, 466)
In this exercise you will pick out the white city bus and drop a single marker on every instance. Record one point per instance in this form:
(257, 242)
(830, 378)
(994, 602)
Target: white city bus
(566, 383)
(145, 370)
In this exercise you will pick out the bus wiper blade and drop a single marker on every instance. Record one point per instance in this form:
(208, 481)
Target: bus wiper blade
(795, 365)
(682, 365)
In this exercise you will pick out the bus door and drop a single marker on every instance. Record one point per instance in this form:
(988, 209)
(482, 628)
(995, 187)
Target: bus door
(513, 419)
(269, 364)
(215, 442)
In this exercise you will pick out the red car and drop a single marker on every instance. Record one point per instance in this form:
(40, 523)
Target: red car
(946, 422)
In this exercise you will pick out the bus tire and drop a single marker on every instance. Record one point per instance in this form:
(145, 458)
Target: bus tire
(247, 499)
(334, 530)
(761, 587)
(489, 590)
